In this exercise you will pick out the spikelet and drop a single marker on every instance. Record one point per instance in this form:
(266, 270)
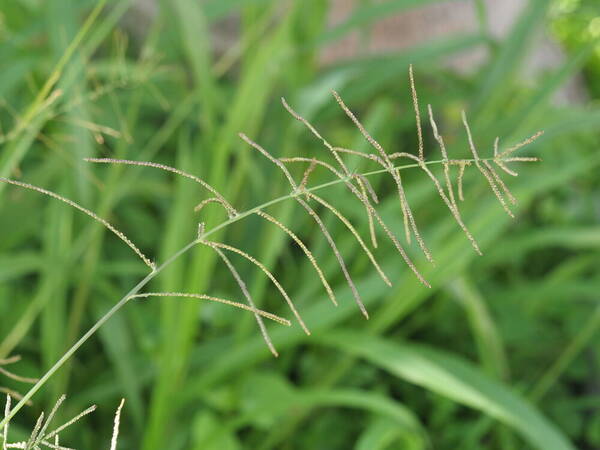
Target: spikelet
(499, 162)
(275, 161)
(364, 181)
(498, 180)
(35, 432)
(370, 156)
(450, 202)
(70, 422)
(365, 186)
(500, 159)
(338, 255)
(40, 437)
(521, 159)
(93, 215)
(42, 430)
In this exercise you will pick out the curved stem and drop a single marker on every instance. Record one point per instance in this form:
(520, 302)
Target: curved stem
(125, 299)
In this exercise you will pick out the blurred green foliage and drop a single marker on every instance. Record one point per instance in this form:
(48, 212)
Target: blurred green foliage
(501, 353)
(576, 23)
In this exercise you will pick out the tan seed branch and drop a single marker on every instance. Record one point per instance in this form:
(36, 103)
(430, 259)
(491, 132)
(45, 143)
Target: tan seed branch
(265, 314)
(306, 251)
(93, 215)
(230, 209)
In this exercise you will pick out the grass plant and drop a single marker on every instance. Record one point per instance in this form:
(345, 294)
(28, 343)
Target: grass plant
(478, 280)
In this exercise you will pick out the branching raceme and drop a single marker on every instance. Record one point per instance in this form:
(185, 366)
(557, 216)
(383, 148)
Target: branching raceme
(358, 185)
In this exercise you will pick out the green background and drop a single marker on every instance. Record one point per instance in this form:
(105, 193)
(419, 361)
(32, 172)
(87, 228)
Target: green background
(502, 352)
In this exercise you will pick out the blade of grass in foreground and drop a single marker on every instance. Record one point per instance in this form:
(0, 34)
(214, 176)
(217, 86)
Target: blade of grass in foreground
(453, 378)
(267, 396)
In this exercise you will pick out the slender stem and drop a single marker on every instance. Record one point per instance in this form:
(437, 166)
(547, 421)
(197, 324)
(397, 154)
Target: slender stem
(164, 265)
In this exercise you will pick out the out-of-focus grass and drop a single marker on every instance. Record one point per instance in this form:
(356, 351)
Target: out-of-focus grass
(577, 24)
(508, 336)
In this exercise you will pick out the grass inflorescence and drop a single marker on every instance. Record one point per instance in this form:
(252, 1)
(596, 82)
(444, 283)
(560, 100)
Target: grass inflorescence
(305, 195)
